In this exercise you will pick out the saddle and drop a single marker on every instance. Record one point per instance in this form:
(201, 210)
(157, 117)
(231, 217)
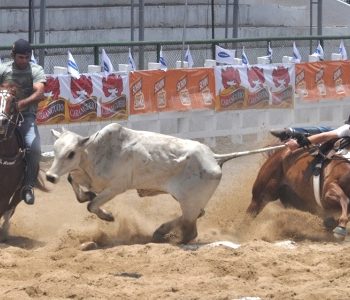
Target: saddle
(323, 153)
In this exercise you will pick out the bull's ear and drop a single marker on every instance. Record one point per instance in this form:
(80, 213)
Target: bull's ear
(55, 133)
(64, 129)
(84, 141)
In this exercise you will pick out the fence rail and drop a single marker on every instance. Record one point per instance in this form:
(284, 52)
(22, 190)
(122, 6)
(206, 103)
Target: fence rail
(50, 55)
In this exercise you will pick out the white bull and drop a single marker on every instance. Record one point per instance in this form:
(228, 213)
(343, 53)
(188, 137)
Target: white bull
(116, 159)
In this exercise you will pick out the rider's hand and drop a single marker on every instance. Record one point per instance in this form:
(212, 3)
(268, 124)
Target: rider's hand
(292, 144)
(20, 105)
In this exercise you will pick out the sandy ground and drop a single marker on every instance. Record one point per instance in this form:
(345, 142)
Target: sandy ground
(42, 259)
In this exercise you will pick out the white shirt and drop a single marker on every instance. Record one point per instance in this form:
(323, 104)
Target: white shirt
(343, 131)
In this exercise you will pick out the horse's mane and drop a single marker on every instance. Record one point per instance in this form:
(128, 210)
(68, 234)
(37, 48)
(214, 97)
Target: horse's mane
(10, 87)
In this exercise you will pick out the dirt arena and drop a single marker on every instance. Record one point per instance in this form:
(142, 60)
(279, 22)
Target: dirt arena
(42, 259)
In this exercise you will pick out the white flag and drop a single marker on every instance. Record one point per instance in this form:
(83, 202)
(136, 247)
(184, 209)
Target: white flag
(224, 56)
(188, 57)
(342, 51)
(319, 51)
(296, 54)
(269, 52)
(106, 63)
(245, 60)
(131, 61)
(33, 59)
(162, 60)
(72, 67)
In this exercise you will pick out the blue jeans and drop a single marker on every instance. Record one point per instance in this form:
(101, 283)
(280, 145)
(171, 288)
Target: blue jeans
(31, 138)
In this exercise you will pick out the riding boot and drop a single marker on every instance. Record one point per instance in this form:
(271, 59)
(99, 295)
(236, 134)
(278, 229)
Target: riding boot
(30, 176)
(294, 132)
(27, 195)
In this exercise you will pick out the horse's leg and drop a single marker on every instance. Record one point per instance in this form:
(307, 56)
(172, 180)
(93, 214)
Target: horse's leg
(335, 194)
(81, 195)
(10, 210)
(5, 227)
(266, 185)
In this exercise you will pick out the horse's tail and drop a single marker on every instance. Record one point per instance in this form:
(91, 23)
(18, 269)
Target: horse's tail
(40, 183)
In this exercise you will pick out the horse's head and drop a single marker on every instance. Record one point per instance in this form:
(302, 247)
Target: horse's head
(8, 110)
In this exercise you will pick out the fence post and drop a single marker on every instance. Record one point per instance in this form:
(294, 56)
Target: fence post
(158, 51)
(96, 56)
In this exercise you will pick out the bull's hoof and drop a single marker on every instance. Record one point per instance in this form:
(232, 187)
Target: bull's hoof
(101, 213)
(175, 232)
(170, 237)
(88, 246)
(340, 233)
(105, 215)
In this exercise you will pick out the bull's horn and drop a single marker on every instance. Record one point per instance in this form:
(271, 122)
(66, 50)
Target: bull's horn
(55, 133)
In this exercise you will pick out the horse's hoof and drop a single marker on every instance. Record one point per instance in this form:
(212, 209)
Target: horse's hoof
(339, 232)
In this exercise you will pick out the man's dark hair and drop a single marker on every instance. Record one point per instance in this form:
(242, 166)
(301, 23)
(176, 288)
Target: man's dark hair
(21, 46)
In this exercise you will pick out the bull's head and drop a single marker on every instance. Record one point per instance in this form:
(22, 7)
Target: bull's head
(68, 149)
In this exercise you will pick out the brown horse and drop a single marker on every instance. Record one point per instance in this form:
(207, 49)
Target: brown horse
(12, 162)
(289, 177)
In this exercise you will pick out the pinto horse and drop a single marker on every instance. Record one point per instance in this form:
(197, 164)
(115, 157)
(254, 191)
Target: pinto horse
(289, 177)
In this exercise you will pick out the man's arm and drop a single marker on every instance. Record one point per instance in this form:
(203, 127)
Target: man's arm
(319, 138)
(36, 96)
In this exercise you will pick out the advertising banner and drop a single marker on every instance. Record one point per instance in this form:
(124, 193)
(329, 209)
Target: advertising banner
(92, 97)
(324, 80)
(171, 90)
(258, 86)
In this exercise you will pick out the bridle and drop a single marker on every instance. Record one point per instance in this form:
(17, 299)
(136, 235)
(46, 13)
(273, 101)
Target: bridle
(10, 119)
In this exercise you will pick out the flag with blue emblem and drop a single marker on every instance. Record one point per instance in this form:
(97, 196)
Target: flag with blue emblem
(269, 53)
(106, 63)
(162, 60)
(224, 56)
(72, 67)
(131, 61)
(319, 51)
(342, 51)
(188, 57)
(245, 60)
(33, 59)
(296, 54)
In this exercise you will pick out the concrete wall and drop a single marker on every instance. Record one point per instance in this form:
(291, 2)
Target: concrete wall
(237, 127)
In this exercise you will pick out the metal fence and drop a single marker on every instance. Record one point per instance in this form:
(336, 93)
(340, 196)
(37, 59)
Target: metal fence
(144, 52)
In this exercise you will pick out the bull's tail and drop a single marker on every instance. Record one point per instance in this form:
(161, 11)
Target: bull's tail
(222, 158)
